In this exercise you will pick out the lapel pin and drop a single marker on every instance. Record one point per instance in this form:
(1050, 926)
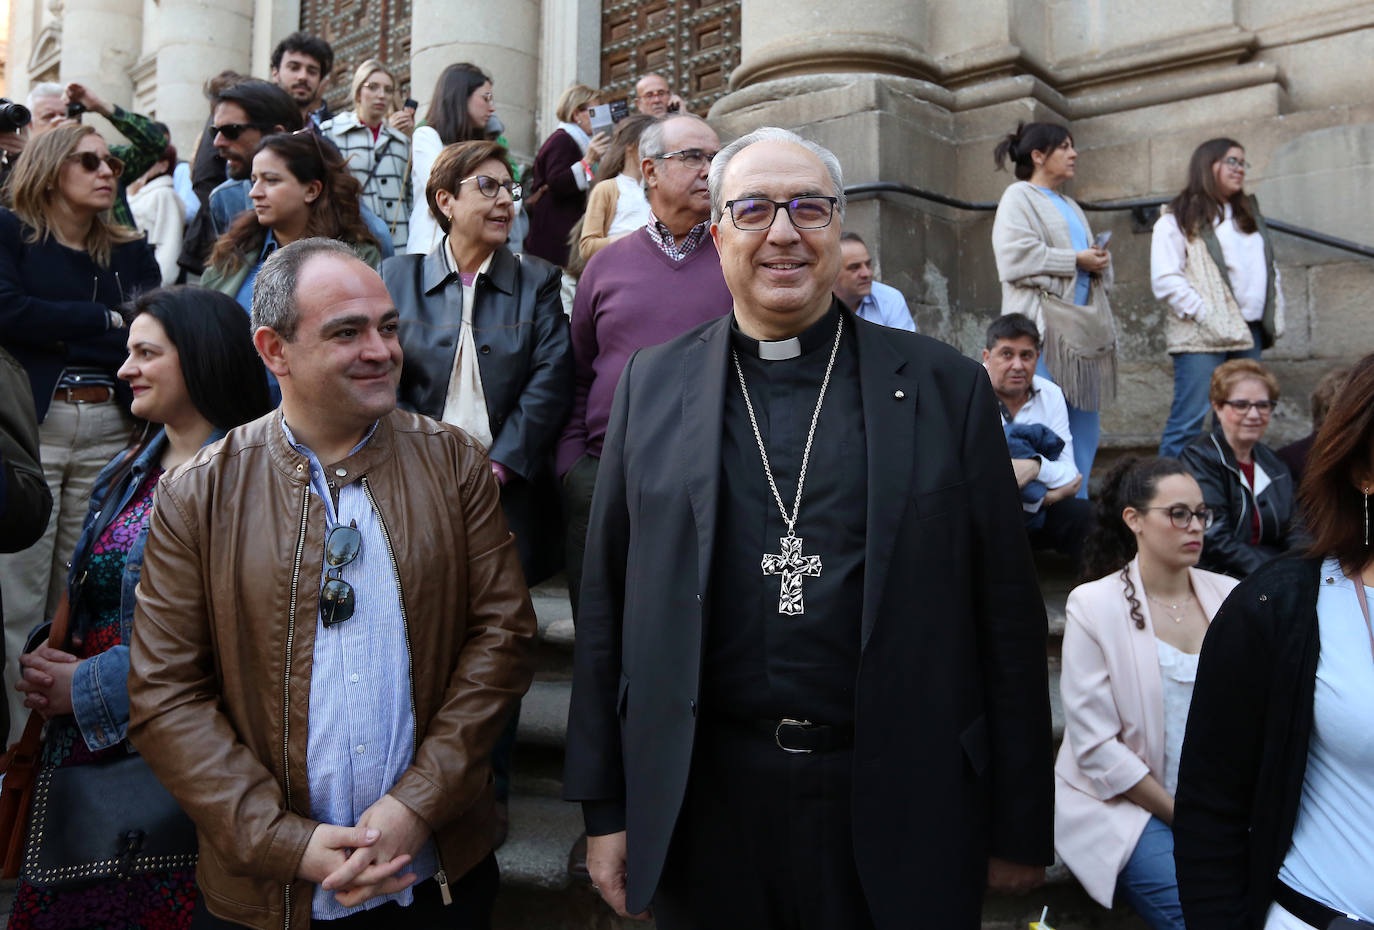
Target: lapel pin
(899, 394)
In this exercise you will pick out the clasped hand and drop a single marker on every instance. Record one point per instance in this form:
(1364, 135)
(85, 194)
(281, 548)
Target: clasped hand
(367, 860)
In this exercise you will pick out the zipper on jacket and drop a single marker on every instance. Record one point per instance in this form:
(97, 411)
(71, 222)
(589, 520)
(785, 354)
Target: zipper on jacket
(440, 875)
(286, 683)
(1245, 488)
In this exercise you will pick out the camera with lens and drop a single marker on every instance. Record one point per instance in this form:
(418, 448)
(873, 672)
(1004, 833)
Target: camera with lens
(13, 116)
(74, 110)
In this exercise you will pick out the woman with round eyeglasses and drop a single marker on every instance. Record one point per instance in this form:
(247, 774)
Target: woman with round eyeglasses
(1056, 273)
(65, 266)
(1130, 656)
(487, 349)
(1245, 483)
(461, 109)
(562, 174)
(1212, 263)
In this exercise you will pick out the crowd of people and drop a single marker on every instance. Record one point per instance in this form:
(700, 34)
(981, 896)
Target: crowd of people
(288, 431)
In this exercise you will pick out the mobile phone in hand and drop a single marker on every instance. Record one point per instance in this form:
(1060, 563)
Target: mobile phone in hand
(412, 104)
(1101, 240)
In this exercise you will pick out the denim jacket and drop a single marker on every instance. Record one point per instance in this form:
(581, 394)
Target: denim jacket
(100, 687)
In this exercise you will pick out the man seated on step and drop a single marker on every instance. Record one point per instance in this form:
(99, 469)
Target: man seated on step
(1032, 406)
(870, 300)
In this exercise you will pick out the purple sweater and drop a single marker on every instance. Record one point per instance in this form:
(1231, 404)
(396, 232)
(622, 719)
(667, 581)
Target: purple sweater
(631, 296)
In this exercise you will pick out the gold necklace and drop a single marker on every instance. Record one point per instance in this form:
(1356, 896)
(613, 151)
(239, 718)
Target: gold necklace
(1176, 608)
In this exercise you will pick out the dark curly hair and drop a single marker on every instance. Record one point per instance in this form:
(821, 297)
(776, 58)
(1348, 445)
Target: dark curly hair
(1029, 137)
(335, 214)
(1131, 482)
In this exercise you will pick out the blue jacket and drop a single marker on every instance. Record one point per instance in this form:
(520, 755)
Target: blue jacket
(231, 198)
(100, 688)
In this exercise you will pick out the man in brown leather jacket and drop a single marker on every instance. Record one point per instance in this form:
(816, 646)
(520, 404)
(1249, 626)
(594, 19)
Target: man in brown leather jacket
(332, 629)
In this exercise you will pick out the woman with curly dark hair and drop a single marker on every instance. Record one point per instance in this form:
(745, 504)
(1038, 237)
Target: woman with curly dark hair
(300, 189)
(1129, 659)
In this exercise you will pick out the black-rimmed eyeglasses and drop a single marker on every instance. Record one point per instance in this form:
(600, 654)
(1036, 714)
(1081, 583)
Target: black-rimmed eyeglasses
(1242, 407)
(755, 215)
(489, 186)
(696, 159)
(1182, 518)
(341, 546)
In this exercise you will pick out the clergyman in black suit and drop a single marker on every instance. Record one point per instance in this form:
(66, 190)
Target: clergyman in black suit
(810, 686)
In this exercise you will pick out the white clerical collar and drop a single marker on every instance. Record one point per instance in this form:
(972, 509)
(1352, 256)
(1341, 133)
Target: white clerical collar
(815, 337)
(780, 350)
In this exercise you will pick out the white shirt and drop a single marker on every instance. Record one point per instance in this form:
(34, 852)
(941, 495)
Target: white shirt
(465, 402)
(1178, 673)
(1047, 407)
(1332, 847)
(423, 233)
(631, 208)
(1245, 266)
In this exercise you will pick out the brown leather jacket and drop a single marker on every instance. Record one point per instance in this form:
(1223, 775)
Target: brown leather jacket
(224, 634)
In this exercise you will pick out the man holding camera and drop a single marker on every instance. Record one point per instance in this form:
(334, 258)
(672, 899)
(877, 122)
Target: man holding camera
(52, 105)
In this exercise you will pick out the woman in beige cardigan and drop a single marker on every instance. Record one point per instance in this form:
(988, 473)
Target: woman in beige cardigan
(1049, 265)
(1129, 659)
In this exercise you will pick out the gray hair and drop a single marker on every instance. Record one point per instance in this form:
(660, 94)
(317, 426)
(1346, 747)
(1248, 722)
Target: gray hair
(651, 139)
(43, 91)
(274, 292)
(769, 134)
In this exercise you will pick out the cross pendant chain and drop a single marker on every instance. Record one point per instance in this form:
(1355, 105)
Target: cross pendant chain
(790, 563)
(792, 566)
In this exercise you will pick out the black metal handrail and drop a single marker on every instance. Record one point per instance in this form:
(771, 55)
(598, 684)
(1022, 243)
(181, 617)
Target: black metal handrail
(1141, 210)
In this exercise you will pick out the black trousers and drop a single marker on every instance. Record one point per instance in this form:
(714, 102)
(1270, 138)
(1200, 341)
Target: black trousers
(473, 897)
(763, 841)
(1065, 529)
(578, 485)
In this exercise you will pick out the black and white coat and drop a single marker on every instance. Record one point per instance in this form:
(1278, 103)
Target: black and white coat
(385, 189)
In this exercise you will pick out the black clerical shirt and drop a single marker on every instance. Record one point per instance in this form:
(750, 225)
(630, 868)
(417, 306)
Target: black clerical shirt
(759, 663)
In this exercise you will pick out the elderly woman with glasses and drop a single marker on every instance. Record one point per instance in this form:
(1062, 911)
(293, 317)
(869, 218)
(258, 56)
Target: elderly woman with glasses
(65, 265)
(1130, 656)
(1245, 483)
(562, 173)
(1212, 263)
(487, 349)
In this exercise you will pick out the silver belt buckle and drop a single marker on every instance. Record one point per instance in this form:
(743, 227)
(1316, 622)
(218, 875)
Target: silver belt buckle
(789, 722)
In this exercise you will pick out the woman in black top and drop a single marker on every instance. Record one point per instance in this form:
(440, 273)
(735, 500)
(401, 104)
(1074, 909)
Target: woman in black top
(1273, 818)
(65, 265)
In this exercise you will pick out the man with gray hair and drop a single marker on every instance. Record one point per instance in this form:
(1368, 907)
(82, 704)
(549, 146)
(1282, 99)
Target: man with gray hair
(810, 683)
(332, 630)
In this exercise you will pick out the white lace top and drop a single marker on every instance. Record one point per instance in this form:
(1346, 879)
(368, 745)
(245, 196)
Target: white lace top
(1178, 671)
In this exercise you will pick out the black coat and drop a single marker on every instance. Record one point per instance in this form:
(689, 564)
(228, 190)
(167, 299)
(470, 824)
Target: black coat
(54, 304)
(1226, 548)
(952, 747)
(525, 360)
(559, 208)
(1245, 752)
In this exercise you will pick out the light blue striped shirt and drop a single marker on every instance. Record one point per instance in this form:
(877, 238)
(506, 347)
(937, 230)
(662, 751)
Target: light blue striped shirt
(361, 723)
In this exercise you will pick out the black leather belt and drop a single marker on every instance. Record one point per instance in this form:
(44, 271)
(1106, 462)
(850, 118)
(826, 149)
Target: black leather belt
(796, 735)
(1313, 913)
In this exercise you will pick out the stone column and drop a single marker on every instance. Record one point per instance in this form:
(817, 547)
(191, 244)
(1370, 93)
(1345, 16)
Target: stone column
(101, 41)
(503, 41)
(569, 53)
(197, 40)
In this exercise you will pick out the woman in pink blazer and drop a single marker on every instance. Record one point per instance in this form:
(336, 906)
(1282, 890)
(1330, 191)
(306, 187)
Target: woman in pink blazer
(1130, 656)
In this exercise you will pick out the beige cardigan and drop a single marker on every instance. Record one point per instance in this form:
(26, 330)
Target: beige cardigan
(1113, 696)
(1034, 251)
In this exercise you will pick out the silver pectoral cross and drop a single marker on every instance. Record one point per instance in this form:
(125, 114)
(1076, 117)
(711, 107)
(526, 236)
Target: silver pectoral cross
(793, 566)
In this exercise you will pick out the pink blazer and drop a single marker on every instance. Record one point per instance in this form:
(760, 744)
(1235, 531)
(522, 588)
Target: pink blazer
(1113, 697)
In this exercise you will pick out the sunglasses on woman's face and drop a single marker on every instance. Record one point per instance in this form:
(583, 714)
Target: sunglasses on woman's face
(337, 601)
(91, 162)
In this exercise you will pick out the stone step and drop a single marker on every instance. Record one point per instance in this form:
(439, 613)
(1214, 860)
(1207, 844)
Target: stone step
(536, 891)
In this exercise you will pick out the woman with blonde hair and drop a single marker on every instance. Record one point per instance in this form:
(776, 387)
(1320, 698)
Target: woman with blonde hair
(374, 139)
(563, 171)
(65, 266)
